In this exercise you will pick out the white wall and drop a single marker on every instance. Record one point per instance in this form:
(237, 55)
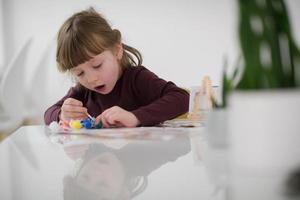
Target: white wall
(181, 40)
(294, 7)
(1, 38)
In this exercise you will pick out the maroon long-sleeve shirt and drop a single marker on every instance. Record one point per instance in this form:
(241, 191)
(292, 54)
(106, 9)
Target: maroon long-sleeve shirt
(151, 99)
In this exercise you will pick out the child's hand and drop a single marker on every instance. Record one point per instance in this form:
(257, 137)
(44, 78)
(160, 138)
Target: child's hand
(116, 116)
(72, 109)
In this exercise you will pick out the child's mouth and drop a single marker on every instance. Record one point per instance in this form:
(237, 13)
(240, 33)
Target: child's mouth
(100, 88)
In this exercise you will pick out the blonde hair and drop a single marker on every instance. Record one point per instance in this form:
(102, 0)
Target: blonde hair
(85, 34)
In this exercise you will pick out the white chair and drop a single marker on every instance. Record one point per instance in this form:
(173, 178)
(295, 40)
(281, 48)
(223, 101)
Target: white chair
(36, 93)
(46, 86)
(12, 87)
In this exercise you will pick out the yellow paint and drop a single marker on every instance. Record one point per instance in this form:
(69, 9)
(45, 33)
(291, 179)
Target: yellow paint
(75, 124)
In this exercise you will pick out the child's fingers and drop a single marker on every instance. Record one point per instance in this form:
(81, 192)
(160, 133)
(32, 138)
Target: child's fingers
(72, 108)
(74, 115)
(104, 122)
(124, 119)
(115, 119)
(98, 119)
(71, 101)
(108, 117)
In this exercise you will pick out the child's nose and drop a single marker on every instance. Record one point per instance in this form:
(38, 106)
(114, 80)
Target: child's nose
(92, 78)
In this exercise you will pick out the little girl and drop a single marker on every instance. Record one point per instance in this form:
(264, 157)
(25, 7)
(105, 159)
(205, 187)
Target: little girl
(112, 85)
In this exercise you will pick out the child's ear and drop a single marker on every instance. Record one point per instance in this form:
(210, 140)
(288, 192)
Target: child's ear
(119, 51)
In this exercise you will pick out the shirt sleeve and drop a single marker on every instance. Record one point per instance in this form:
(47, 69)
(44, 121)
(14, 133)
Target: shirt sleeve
(52, 113)
(161, 100)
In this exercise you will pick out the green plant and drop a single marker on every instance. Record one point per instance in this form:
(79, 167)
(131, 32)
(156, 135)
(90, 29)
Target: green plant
(271, 58)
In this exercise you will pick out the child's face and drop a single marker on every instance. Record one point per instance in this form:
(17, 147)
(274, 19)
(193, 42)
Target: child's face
(100, 73)
(103, 175)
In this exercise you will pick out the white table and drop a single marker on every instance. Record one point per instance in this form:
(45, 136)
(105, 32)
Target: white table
(144, 164)
(36, 165)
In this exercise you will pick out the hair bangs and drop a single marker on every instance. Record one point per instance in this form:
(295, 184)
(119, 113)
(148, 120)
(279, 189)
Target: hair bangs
(78, 49)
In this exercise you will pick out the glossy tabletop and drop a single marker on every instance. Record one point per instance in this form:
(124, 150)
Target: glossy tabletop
(141, 163)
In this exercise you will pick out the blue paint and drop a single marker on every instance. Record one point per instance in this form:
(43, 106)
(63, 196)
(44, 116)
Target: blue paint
(87, 123)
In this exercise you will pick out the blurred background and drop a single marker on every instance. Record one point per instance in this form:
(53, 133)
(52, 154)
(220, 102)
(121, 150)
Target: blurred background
(181, 41)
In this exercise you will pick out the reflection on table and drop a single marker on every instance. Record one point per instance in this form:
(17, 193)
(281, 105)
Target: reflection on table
(148, 163)
(107, 171)
(141, 163)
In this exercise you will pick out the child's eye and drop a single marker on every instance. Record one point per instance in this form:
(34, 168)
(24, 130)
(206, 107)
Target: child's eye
(80, 74)
(97, 66)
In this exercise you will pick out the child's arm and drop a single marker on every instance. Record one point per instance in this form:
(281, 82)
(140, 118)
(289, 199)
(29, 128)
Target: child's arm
(161, 100)
(68, 103)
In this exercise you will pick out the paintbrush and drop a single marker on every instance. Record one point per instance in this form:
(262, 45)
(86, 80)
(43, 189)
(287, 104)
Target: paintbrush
(91, 118)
